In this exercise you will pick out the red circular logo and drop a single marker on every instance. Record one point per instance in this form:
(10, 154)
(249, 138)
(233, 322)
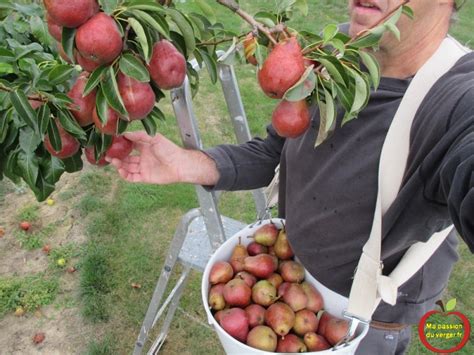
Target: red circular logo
(444, 331)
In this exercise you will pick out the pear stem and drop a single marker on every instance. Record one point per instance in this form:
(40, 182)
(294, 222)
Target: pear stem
(233, 6)
(31, 97)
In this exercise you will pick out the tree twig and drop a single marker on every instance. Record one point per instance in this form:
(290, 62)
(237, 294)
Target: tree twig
(233, 6)
(30, 97)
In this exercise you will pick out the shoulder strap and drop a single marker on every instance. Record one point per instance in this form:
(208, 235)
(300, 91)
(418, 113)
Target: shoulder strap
(369, 285)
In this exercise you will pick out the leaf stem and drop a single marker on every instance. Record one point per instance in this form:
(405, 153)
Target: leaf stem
(29, 97)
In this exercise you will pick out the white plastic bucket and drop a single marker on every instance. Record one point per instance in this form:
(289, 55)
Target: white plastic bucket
(333, 302)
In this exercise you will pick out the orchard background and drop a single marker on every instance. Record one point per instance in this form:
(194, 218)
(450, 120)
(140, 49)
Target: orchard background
(114, 236)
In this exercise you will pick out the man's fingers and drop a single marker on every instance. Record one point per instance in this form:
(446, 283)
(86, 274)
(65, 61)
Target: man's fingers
(114, 161)
(139, 137)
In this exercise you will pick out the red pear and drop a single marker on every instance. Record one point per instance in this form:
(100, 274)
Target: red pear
(86, 64)
(280, 317)
(255, 248)
(295, 297)
(291, 344)
(292, 271)
(167, 65)
(291, 118)
(305, 321)
(275, 279)
(264, 293)
(235, 322)
(69, 13)
(55, 30)
(315, 299)
(266, 234)
(282, 247)
(138, 98)
(69, 144)
(315, 342)
(283, 288)
(216, 297)
(261, 266)
(263, 338)
(83, 106)
(238, 256)
(332, 328)
(99, 39)
(247, 277)
(256, 315)
(120, 148)
(90, 156)
(221, 272)
(237, 293)
(282, 69)
(111, 125)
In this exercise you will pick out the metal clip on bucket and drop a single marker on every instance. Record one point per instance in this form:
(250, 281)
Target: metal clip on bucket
(355, 321)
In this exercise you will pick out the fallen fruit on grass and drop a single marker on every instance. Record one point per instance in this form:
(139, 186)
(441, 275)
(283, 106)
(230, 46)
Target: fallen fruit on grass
(72, 270)
(61, 262)
(50, 202)
(38, 338)
(19, 311)
(2, 232)
(25, 225)
(283, 67)
(135, 285)
(46, 248)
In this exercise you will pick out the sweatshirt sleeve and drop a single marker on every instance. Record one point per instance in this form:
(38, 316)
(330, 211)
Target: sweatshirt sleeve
(457, 174)
(247, 166)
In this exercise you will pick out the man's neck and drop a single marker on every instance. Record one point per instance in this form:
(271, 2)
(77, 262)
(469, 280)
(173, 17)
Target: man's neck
(402, 59)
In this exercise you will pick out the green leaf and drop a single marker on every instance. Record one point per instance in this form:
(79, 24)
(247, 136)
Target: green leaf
(52, 169)
(6, 56)
(345, 96)
(157, 22)
(109, 6)
(28, 167)
(94, 79)
(327, 122)
(54, 137)
(40, 30)
(105, 143)
(302, 6)
(69, 123)
(361, 92)
(329, 32)
(43, 188)
(44, 116)
(304, 87)
(60, 74)
(185, 28)
(67, 41)
(207, 10)
(11, 169)
(6, 68)
(407, 10)
(372, 66)
(267, 18)
(157, 114)
(74, 163)
(141, 36)
(101, 106)
(211, 65)
(23, 108)
(335, 69)
(122, 126)
(29, 140)
(112, 94)
(370, 39)
(394, 29)
(147, 5)
(150, 125)
(5, 117)
(133, 67)
(451, 305)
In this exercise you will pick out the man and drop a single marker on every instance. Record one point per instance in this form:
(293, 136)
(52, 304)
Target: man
(328, 194)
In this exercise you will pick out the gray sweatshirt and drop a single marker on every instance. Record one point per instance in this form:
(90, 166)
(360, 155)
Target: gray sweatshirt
(327, 194)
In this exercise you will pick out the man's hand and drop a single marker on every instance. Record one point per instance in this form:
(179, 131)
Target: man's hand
(160, 161)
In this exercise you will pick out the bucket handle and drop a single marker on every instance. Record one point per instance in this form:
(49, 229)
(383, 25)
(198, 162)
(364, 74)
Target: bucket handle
(354, 323)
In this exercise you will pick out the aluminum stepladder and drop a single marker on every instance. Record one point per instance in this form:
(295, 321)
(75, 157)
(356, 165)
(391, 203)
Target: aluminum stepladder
(201, 230)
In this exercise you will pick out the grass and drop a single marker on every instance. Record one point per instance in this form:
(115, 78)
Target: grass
(34, 239)
(29, 292)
